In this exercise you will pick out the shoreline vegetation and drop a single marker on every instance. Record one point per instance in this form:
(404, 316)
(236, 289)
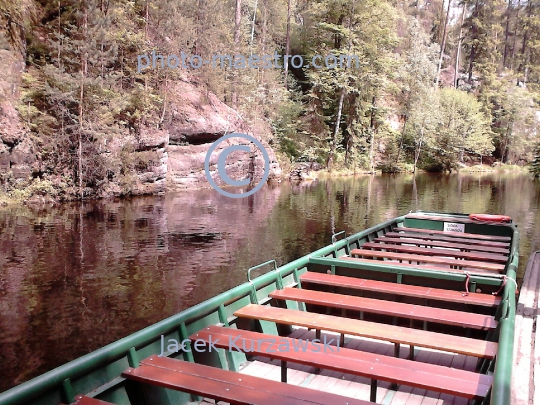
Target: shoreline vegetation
(40, 192)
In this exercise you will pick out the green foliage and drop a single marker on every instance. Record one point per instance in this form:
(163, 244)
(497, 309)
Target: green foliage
(535, 165)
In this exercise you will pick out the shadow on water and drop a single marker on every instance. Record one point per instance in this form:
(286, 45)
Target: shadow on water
(79, 276)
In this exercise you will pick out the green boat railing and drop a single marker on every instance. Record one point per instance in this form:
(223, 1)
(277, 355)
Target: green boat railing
(500, 392)
(59, 380)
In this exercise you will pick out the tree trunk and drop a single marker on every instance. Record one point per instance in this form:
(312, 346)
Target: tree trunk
(524, 50)
(238, 21)
(419, 150)
(336, 129)
(372, 138)
(198, 26)
(83, 72)
(263, 42)
(507, 32)
(472, 54)
(147, 17)
(340, 103)
(515, 35)
(458, 52)
(402, 137)
(287, 44)
(443, 43)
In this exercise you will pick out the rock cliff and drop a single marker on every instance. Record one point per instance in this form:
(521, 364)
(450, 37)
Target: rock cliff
(17, 152)
(168, 157)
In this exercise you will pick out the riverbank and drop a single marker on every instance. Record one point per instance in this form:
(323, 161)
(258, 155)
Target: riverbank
(497, 168)
(43, 192)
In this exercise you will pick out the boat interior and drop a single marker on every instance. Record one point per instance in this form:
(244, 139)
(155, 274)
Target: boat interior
(402, 313)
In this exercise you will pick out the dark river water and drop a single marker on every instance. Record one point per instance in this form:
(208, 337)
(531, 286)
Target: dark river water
(76, 277)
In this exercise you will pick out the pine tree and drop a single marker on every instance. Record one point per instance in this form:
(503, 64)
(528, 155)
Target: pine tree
(482, 38)
(416, 73)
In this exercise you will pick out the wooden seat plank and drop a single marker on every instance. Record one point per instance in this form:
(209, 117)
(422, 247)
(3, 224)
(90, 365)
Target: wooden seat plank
(384, 368)
(442, 238)
(428, 259)
(84, 400)
(456, 234)
(486, 300)
(373, 330)
(229, 386)
(424, 313)
(415, 266)
(476, 256)
(442, 244)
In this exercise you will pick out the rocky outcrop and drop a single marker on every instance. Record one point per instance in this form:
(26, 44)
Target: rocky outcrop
(172, 158)
(17, 153)
(152, 161)
(197, 118)
(303, 171)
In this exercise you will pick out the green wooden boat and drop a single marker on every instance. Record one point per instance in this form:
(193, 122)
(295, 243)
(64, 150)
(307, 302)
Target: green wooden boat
(418, 308)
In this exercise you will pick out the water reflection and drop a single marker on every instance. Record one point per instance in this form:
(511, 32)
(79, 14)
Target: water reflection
(77, 277)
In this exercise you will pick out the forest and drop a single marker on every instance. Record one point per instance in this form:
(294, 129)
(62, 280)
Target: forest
(440, 85)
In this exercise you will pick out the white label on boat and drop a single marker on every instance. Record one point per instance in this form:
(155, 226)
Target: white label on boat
(452, 227)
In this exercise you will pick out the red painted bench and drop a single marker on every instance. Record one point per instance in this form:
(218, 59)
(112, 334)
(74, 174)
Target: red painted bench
(428, 259)
(372, 330)
(84, 400)
(374, 366)
(228, 386)
(442, 238)
(415, 266)
(424, 313)
(486, 300)
(473, 256)
(466, 247)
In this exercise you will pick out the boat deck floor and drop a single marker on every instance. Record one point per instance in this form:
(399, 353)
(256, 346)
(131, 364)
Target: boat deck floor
(359, 387)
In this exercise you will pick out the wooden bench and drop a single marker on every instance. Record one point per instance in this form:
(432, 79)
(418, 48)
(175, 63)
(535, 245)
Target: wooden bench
(442, 238)
(474, 256)
(466, 247)
(228, 386)
(424, 313)
(84, 400)
(461, 235)
(428, 259)
(390, 333)
(374, 366)
(397, 264)
(486, 300)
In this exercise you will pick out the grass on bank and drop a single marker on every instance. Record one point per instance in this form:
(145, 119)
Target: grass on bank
(497, 168)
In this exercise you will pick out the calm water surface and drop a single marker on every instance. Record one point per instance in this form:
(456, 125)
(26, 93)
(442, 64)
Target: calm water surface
(79, 276)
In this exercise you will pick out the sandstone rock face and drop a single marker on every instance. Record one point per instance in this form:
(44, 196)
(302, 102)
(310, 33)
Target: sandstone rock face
(17, 156)
(301, 171)
(170, 157)
(197, 118)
